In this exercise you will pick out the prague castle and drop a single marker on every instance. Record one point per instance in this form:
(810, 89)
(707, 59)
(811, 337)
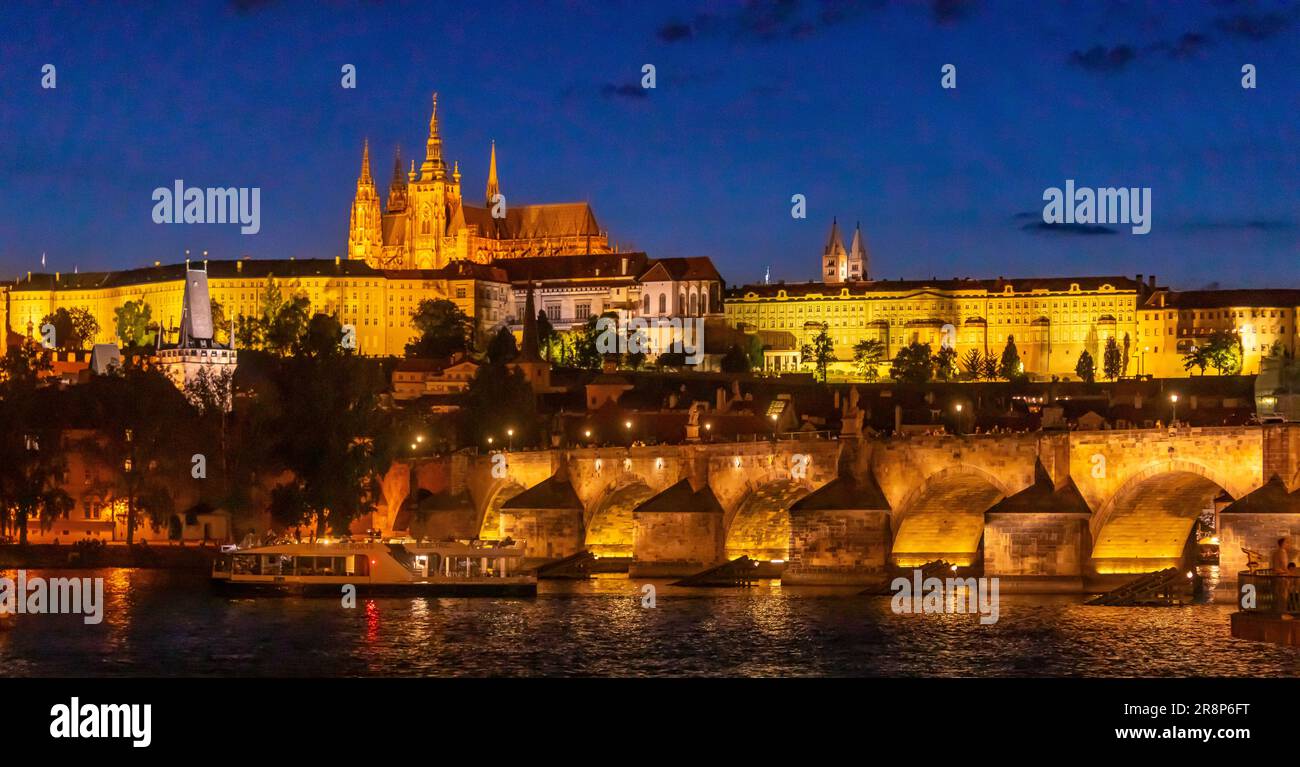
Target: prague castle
(427, 223)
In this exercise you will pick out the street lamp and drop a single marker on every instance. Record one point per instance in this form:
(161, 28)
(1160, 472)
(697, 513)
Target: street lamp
(1173, 398)
(510, 435)
(958, 408)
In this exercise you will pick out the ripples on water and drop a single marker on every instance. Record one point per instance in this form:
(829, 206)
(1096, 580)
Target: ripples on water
(167, 623)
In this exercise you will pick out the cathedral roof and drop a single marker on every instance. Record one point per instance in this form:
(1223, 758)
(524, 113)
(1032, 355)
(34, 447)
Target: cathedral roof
(566, 219)
(690, 268)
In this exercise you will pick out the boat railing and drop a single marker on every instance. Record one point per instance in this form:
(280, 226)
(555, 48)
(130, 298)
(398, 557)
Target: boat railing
(1267, 591)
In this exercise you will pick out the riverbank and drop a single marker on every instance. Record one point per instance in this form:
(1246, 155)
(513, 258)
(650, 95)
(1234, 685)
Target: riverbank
(147, 556)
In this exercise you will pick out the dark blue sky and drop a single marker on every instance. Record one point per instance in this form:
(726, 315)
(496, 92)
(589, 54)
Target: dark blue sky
(837, 100)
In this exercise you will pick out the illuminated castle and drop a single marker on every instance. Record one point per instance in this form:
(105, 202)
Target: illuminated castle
(428, 224)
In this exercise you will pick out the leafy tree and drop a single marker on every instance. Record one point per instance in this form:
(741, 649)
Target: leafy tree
(990, 367)
(1112, 360)
(548, 341)
(1223, 349)
(132, 320)
(496, 400)
(868, 356)
(913, 364)
(1010, 367)
(819, 353)
(322, 337)
(585, 351)
(945, 364)
(1196, 357)
(220, 325)
(972, 363)
(32, 458)
(74, 329)
(444, 329)
(1127, 350)
(754, 348)
(502, 348)
(735, 360)
(288, 325)
(318, 419)
(1086, 368)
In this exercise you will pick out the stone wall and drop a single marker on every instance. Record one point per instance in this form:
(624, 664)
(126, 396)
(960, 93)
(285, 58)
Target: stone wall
(838, 547)
(1253, 531)
(675, 544)
(546, 533)
(1044, 544)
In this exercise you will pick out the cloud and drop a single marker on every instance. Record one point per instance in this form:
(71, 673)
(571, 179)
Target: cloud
(1253, 26)
(767, 21)
(624, 91)
(1101, 59)
(1244, 225)
(1036, 225)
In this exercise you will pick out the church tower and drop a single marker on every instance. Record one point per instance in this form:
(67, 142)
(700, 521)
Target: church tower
(859, 258)
(397, 187)
(835, 259)
(365, 234)
(433, 200)
(493, 186)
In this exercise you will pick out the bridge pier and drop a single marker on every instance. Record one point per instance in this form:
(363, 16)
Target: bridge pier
(676, 533)
(839, 535)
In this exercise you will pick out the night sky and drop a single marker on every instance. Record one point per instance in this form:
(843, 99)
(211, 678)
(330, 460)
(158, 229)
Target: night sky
(757, 101)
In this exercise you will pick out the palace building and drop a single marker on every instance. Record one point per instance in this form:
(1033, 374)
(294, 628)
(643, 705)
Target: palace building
(427, 223)
(1053, 320)
(377, 303)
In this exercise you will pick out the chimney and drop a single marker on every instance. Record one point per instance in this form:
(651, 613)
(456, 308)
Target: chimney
(239, 266)
(1152, 277)
(1139, 280)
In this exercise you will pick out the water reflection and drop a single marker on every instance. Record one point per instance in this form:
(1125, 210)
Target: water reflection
(162, 623)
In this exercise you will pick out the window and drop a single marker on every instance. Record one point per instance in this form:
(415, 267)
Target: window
(582, 311)
(646, 304)
(663, 303)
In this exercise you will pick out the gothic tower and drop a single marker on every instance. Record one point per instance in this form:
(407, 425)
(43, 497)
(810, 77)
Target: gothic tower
(859, 258)
(397, 187)
(432, 201)
(835, 260)
(493, 186)
(365, 234)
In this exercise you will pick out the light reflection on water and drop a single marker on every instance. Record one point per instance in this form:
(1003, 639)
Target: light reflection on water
(166, 623)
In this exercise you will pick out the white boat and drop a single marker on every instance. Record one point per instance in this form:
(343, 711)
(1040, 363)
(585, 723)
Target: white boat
(322, 568)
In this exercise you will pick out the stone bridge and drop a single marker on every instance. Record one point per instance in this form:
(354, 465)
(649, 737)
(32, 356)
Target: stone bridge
(1038, 506)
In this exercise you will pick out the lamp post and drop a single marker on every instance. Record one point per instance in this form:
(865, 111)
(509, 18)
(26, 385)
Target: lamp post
(510, 439)
(128, 466)
(628, 426)
(1173, 399)
(959, 409)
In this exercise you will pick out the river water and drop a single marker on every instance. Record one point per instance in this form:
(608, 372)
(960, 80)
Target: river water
(167, 623)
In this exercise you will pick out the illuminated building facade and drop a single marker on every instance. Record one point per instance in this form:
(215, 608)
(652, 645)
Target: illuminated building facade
(377, 303)
(1171, 323)
(427, 223)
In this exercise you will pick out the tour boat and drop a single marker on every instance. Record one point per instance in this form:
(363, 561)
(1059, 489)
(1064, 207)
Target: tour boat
(375, 568)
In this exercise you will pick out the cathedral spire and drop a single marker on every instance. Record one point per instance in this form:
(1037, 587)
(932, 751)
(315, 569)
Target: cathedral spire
(397, 187)
(433, 165)
(493, 186)
(859, 259)
(365, 177)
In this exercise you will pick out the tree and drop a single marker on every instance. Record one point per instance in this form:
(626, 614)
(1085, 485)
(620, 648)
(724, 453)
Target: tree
(502, 348)
(220, 325)
(131, 324)
(1010, 367)
(497, 400)
(288, 325)
(1086, 368)
(1196, 357)
(444, 329)
(1112, 360)
(1223, 350)
(990, 367)
(913, 364)
(735, 360)
(868, 356)
(548, 341)
(32, 458)
(318, 419)
(74, 329)
(586, 352)
(945, 364)
(819, 353)
(323, 336)
(972, 362)
(1123, 371)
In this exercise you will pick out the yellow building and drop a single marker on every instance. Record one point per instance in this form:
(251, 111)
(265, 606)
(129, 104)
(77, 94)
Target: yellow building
(1171, 323)
(377, 303)
(1053, 320)
(427, 223)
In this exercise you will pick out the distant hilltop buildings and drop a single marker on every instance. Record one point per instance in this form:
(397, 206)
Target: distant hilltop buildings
(427, 241)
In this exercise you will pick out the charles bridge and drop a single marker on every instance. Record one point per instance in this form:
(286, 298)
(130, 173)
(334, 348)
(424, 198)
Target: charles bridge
(1046, 509)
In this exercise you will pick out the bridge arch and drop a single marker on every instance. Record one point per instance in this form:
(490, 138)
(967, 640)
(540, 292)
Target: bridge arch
(943, 517)
(489, 527)
(760, 526)
(1145, 525)
(609, 525)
